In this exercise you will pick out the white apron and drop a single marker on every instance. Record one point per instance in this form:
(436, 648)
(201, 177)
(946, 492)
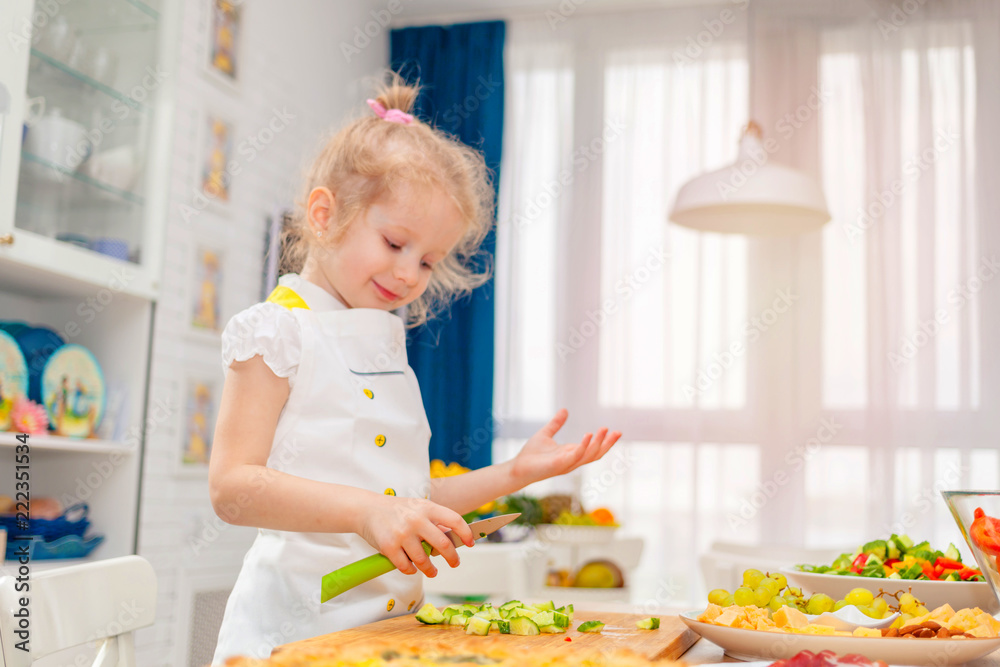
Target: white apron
(354, 416)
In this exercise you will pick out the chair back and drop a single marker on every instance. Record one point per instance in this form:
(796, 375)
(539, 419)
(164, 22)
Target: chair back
(103, 602)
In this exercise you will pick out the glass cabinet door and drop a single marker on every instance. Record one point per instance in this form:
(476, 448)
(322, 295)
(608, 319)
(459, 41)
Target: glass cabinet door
(93, 75)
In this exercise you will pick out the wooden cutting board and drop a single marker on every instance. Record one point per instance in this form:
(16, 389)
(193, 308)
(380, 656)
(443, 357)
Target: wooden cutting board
(668, 642)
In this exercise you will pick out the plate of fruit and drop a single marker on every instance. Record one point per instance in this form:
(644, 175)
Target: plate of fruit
(897, 565)
(592, 527)
(767, 618)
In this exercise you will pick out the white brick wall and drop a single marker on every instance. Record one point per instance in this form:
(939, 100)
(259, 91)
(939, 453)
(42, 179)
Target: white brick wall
(291, 60)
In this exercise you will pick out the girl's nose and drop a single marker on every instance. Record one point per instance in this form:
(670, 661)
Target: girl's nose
(407, 271)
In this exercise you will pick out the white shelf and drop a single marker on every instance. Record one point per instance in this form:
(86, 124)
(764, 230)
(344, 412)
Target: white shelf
(10, 566)
(61, 444)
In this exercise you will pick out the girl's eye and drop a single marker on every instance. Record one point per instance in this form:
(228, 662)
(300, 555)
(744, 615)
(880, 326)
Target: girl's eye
(392, 245)
(428, 265)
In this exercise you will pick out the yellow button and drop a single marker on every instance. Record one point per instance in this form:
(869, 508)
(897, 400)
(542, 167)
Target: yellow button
(369, 394)
(410, 606)
(380, 440)
(390, 492)
(392, 603)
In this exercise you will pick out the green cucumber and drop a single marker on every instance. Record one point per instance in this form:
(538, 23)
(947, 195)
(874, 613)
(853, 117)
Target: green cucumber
(651, 623)
(543, 618)
(551, 629)
(523, 625)
(503, 627)
(546, 606)
(521, 612)
(591, 626)
(459, 619)
(477, 625)
(430, 615)
(511, 604)
(560, 620)
(448, 612)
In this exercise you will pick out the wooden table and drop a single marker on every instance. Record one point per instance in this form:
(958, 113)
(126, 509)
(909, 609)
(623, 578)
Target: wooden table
(703, 651)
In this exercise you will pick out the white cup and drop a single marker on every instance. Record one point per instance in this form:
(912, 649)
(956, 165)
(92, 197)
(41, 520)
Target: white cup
(115, 166)
(59, 141)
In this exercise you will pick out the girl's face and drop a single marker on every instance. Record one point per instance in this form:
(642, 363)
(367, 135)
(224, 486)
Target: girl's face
(387, 255)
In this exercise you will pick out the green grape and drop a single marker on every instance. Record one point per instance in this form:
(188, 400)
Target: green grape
(718, 596)
(859, 597)
(819, 603)
(907, 600)
(839, 604)
(780, 578)
(751, 578)
(762, 596)
(790, 600)
(743, 596)
(880, 607)
(728, 602)
(797, 592)
(867, 611)
(776, 603)
(771, 585)
(921, 611)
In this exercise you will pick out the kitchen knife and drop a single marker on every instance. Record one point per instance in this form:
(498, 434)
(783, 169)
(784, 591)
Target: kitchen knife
(366, 569)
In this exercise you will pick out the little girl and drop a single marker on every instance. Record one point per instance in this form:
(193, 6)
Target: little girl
(322, 441)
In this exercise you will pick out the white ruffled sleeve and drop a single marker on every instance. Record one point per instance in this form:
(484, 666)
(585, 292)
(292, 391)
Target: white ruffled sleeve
(266, 329)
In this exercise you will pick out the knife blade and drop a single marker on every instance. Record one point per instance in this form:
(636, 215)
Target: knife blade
(366, 569)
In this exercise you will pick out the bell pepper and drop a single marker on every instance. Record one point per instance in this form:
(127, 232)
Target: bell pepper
(938, 571)
(859, 563)
(968, 573)
(948, 563)
(985, 532)
(928, 570)
(892, 562)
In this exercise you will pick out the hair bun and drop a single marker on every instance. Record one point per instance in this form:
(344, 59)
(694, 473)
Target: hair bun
(396, 93)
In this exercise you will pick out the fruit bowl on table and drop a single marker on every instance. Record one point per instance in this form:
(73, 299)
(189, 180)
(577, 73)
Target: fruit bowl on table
(958, 594)
(574, 533)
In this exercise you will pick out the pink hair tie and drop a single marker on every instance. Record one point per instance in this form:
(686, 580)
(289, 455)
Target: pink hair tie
(391, 115)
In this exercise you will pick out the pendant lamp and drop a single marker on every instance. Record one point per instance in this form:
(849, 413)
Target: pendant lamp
(752, 196)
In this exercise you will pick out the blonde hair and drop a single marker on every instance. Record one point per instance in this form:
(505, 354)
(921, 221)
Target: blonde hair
(368, 161)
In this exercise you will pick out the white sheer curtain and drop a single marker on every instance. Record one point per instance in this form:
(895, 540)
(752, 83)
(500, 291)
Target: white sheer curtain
(810, 391)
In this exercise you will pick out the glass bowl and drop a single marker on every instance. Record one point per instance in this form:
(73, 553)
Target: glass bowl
(984, 544)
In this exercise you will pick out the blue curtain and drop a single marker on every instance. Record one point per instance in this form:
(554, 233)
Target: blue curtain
(460, 69)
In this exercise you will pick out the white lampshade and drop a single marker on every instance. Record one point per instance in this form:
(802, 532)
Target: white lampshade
(751, 196)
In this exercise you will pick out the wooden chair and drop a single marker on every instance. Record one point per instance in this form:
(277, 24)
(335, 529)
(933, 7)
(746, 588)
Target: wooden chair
(103, 602)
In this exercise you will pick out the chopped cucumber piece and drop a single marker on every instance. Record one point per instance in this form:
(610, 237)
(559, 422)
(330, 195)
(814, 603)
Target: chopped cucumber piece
(521, 611)
(430, 615)
(459, 619)
(546, 606)
(543, 618)
(477, 625)
(511, 604)
(503, 627)
(651, 623)
(560, 620)
(522, 625)
(591, 626)
(551, 629)
(448, 612)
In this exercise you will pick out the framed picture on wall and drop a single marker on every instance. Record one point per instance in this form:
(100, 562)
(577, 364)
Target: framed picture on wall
(214, 179)
(205, 293)
(223, 33)
(200, 403)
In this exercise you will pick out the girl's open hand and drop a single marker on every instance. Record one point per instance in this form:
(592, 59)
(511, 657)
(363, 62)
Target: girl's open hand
(396, 526)
(542, 457)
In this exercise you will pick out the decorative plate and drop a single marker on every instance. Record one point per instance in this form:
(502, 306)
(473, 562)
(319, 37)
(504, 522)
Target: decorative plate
(74, 392)
(13, 377)
(37, 344)
(758, 644)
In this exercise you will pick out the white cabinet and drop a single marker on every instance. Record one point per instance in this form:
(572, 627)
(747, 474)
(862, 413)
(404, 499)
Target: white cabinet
(84, 179)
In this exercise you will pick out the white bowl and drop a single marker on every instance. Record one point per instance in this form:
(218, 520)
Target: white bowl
(571, 534)
(959, 594)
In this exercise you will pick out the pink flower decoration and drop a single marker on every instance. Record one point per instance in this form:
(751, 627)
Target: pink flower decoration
(28, 417)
